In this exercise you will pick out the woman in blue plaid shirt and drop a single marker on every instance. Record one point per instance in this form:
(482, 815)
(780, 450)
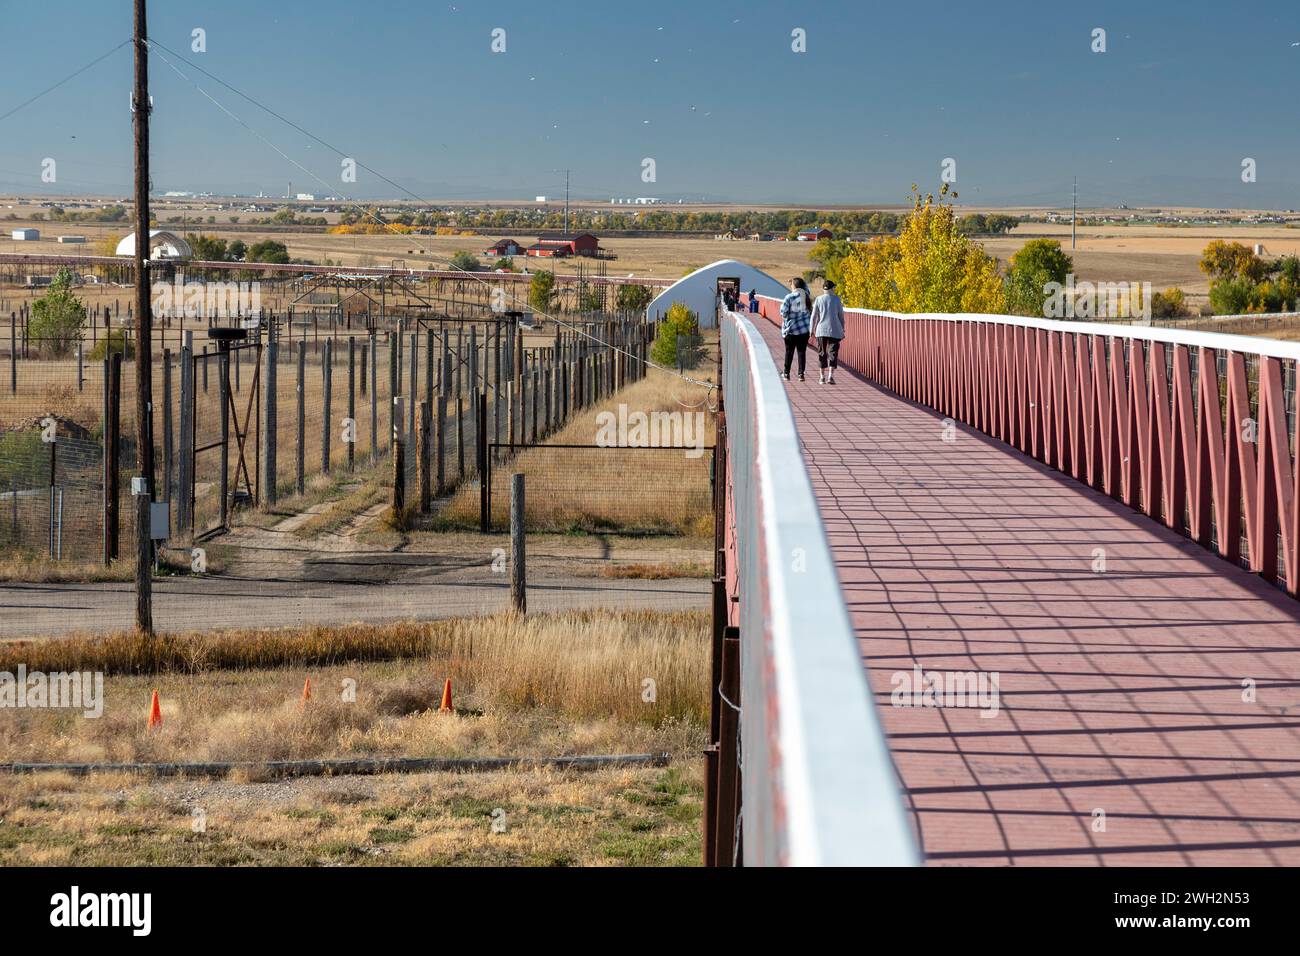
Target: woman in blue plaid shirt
(796, 323)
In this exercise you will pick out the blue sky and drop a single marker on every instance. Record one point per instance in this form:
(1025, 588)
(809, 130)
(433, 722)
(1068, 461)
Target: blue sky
(710, 90)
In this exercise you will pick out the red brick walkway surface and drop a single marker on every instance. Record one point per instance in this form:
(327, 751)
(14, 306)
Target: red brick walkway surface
(1121, 735)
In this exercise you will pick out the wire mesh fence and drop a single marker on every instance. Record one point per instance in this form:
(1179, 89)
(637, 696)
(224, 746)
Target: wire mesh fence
(243, 422)
(636, 490)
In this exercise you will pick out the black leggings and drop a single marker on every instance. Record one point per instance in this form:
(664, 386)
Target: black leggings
(828, 350)
(793, 344)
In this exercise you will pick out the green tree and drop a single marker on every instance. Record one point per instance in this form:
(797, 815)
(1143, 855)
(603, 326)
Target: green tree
(463, 261)
(997, 224)
(541, 291)
(632, 298)
(829, 254)
(268, 250)
(1033, 266)
(237, 250)
(207, 248)
(1230, 296)
(57, 318)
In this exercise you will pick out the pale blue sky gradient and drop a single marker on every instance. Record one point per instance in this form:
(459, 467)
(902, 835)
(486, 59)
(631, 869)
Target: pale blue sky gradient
(710, 90)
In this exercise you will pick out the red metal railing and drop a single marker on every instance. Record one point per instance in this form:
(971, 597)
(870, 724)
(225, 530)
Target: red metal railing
(1194, 429)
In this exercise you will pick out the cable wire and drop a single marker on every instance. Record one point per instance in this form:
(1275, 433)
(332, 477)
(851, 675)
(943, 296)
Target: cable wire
(70, 76)
(451, 266)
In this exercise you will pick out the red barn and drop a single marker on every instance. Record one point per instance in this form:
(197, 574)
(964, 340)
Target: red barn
(558, 250)
(504, 247)
(812, 235)
(582, 244)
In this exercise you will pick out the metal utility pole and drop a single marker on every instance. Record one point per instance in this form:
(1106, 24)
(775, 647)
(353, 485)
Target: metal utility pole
(1074, 221)
(143, 334)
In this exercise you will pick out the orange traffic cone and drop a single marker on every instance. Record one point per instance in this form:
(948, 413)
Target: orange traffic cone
(445, 706)
(155, 713)
(306, 691)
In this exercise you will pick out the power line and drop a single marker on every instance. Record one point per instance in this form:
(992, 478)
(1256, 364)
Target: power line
(386, 225)
(70, 76)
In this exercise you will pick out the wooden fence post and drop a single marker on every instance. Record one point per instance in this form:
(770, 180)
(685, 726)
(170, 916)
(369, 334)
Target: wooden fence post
(439, 447)
(271, 413)
(518, 571)
(425, 459)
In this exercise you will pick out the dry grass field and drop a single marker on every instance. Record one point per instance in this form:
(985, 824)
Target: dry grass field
(541, 686)
(654, 490)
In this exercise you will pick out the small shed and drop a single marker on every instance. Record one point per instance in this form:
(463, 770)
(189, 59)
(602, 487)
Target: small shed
(26, 235)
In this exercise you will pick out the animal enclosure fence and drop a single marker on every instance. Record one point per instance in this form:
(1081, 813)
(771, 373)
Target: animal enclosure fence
(297, 400)
(647, 490)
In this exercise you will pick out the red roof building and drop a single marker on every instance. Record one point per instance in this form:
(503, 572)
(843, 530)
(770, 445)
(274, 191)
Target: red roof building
(581, 244)
(504, 247)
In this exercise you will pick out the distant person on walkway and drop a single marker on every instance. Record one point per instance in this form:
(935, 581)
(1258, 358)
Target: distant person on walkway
(753, 301)
(795, 324)
(828, 330)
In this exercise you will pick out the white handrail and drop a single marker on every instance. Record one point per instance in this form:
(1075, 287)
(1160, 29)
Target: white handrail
(1248, 344)
(818, 784)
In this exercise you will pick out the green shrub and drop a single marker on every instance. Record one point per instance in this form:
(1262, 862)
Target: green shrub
(1169, 304)
(679, 321)
(633, 298)
(113, 341)
(541, 291)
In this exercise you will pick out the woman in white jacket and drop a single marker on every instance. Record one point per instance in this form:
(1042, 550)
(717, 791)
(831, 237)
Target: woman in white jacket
(828, 330)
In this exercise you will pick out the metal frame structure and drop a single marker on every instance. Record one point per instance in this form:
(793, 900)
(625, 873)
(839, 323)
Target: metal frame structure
(817, 783)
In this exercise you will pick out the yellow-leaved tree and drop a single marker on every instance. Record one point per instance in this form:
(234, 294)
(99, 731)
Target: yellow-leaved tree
(930, 266)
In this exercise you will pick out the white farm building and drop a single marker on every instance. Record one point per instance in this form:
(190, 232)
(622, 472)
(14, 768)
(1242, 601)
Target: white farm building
(163, 244)
(699, 291)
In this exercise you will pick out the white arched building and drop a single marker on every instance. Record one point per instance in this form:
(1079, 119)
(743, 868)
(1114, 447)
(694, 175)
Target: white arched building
(163, 244)
(699, 290)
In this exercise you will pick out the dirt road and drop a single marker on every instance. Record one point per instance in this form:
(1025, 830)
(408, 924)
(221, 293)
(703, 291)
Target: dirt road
(219, 602)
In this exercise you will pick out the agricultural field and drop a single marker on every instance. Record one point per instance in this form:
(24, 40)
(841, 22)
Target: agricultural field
(1163, 255)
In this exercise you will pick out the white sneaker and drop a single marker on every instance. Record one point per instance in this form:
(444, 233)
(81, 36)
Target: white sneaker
(830, 379)
(821, 378)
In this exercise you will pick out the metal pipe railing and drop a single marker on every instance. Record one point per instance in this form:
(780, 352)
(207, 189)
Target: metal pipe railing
(818, 786)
